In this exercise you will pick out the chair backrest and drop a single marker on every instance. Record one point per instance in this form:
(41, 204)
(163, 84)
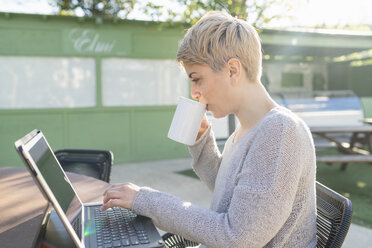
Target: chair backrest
(334, 213)
(94, 163)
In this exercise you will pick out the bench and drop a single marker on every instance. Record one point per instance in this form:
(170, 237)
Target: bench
(354, 150)
(344, 159)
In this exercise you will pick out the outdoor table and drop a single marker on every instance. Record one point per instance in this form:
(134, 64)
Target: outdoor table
(359, 134)
(22, 205)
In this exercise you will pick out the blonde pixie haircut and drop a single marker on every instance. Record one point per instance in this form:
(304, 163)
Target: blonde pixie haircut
(218, 37)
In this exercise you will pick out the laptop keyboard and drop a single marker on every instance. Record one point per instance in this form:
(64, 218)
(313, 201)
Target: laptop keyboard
(76, 224)
(118, 227)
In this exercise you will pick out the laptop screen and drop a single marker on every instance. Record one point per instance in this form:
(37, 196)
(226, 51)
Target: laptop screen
(54, 176)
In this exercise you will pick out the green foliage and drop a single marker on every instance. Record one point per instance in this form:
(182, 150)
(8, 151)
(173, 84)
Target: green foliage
(190, 11)
(196, 8)
(256, 12)
(102, 8)
(360, 27)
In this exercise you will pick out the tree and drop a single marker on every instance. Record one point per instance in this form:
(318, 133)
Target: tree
(257, 12)
(102, 8)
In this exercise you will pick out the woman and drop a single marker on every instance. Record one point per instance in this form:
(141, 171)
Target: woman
(264, 182)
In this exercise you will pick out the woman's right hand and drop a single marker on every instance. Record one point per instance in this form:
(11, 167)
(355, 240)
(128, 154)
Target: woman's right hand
(203, 127)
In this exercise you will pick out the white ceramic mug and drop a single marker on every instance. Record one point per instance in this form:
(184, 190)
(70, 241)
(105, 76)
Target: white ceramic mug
(186, 121)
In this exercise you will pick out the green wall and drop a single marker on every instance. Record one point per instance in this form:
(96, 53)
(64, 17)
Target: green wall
(48, 36)
(357, 78)
(343, 76)
(132, 133)
(367, 105)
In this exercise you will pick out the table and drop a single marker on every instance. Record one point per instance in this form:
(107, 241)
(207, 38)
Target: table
(353, 153)
(22, 204)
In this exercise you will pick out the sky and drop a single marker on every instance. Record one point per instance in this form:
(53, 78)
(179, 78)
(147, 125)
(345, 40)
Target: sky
(306, 12)
(335, 12)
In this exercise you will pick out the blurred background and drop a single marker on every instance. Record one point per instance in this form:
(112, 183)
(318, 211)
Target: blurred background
(102, 74)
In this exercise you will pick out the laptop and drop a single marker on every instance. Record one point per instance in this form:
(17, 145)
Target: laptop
(85, 223)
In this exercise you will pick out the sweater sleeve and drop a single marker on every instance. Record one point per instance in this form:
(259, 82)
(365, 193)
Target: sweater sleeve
(206, 158)
(260, 204)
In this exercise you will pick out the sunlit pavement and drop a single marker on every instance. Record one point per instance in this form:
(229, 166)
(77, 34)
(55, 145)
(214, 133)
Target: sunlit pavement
(161, 175)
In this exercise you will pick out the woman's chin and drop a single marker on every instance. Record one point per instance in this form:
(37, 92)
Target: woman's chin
(217, 115)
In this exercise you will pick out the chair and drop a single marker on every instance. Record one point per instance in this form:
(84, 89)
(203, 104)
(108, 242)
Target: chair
(334, 213)
(93, 163)
(176, 241)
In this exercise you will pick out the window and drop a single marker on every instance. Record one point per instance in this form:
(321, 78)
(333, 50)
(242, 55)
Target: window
(46, 82)
(292, 80)
(142, 82)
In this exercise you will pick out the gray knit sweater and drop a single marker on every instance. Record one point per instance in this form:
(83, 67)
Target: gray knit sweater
(263, 189)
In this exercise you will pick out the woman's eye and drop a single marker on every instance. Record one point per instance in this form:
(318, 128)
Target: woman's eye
(195, 80)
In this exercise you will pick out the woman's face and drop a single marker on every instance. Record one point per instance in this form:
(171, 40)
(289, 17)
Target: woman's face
(210, 88)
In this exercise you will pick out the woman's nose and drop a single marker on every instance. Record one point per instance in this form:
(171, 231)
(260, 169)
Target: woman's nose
(195, 93)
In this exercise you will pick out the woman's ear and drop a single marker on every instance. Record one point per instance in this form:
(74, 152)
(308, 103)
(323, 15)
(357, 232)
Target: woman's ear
(234, 67)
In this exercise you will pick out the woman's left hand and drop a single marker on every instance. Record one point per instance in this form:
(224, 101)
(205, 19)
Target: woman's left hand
(121, 195)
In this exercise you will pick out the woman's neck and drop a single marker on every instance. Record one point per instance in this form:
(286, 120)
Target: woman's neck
(254, 103)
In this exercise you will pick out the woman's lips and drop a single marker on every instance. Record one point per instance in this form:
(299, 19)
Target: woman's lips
(206, 107)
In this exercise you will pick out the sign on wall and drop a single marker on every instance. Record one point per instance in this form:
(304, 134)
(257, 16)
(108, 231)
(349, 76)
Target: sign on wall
(96, 42)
